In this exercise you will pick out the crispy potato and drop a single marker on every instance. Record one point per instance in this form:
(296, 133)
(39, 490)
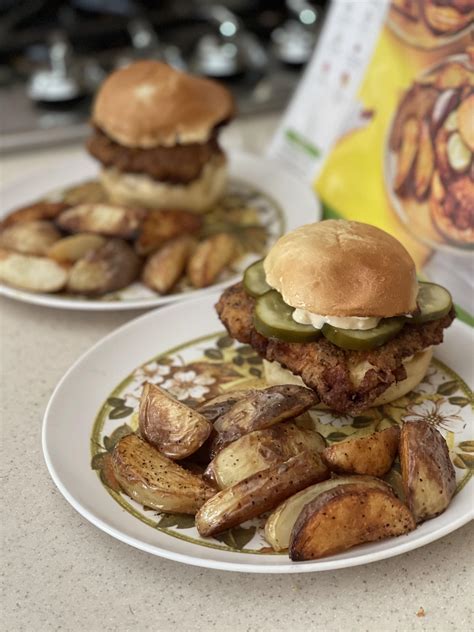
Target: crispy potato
(261, 449)
(112, 267)
(210, 258)
(465, 118)
(35, 274)
(30, 238)
(104, 219)
(457, 205)
(71, 249)
(163, 225)
(214, 408)
(345, 516)
(429, 479)
(175, 429)
(424, 165)
(372, 455)
(445, 19)
(259, 493)
(407, 153)
(418, 102)
(164, 268)
(281, 521)
(154, 480)
(262, 409)
(441, 152)
(87, 192)
(32, 212)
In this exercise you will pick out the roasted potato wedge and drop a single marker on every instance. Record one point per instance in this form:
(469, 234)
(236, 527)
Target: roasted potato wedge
(259, 493)
(424, 165)
(372, 455)
(407, 153)
(176, 430)
(154, 480)
(214, 408)
(418, 102)
(71, 249)
(210, 258)
(103, 219)
(429, 479)
(441, 152)
(346, 516)
(164, 268)
(33, 212)
(259, 450)
(112, 267)
(281, 521)
(35, 274)
(465, 118)
(262, 409)
(446, 19)
(30, 238)
(163, 225)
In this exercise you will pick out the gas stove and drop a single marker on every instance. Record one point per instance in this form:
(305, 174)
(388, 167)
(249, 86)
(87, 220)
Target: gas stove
(54, 54)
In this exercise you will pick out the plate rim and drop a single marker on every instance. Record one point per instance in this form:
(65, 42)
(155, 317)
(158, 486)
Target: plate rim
(52, 301)
(199, 560)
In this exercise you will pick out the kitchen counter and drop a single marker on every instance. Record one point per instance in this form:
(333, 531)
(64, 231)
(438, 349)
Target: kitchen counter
(61, 573)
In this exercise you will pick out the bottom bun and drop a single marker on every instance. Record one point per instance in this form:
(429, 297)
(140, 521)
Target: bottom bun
(140, 190)
(416, 368)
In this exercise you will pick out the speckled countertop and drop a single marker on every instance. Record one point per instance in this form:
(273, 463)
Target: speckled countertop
(61, 573)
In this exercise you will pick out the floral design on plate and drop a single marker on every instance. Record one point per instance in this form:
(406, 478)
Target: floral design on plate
(203, 368)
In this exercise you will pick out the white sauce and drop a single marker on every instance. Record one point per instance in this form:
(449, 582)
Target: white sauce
(343, 322)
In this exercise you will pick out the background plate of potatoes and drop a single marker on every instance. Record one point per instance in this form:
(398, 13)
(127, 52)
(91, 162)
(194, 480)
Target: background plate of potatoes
(64, 244)
(180, 449)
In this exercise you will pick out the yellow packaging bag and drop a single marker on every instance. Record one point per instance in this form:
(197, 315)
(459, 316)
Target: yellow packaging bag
(383, 125)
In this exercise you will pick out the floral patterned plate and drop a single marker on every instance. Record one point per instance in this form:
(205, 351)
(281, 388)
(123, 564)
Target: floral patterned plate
(184, 349)
(261, 203)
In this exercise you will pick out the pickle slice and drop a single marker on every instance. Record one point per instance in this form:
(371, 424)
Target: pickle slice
(254, 280)
(364, 340)
(434, 302)
(273, 319)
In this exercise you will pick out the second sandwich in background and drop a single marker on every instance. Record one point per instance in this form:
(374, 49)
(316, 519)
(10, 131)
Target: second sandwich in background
(155, 133)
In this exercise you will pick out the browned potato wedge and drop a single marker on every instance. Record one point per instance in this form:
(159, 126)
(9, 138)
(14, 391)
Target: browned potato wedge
(446, 19)
(112, 267)
(429, 479)
(210, 258)
(453, 75)
(407, 153)
(32, 212)
(418, 102)
(164, 268)
(346, 516)
(71, 249)
(281, 521)
(35, 274)
(465, 118)
(214, 408)
(30, 238)
(261, 449)
(441, 152)
(424, 165)
(262, 409)
(372, 455)
(154, 480)
(162, 225)
(104, 219)
(175, 429)
(259, 493)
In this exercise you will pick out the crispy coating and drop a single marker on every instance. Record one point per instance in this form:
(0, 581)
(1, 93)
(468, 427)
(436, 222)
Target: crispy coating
(325, 367)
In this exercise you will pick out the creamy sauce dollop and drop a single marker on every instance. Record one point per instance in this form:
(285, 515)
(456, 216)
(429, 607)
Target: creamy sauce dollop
(304, 317)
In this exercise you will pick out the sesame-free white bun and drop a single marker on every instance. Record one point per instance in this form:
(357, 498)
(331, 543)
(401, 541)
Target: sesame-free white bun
(149, 104)
(140, 190)
(416, 368)
(343, 268)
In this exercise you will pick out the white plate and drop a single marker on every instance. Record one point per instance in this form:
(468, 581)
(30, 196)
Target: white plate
(285, 195)
(186, 333)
